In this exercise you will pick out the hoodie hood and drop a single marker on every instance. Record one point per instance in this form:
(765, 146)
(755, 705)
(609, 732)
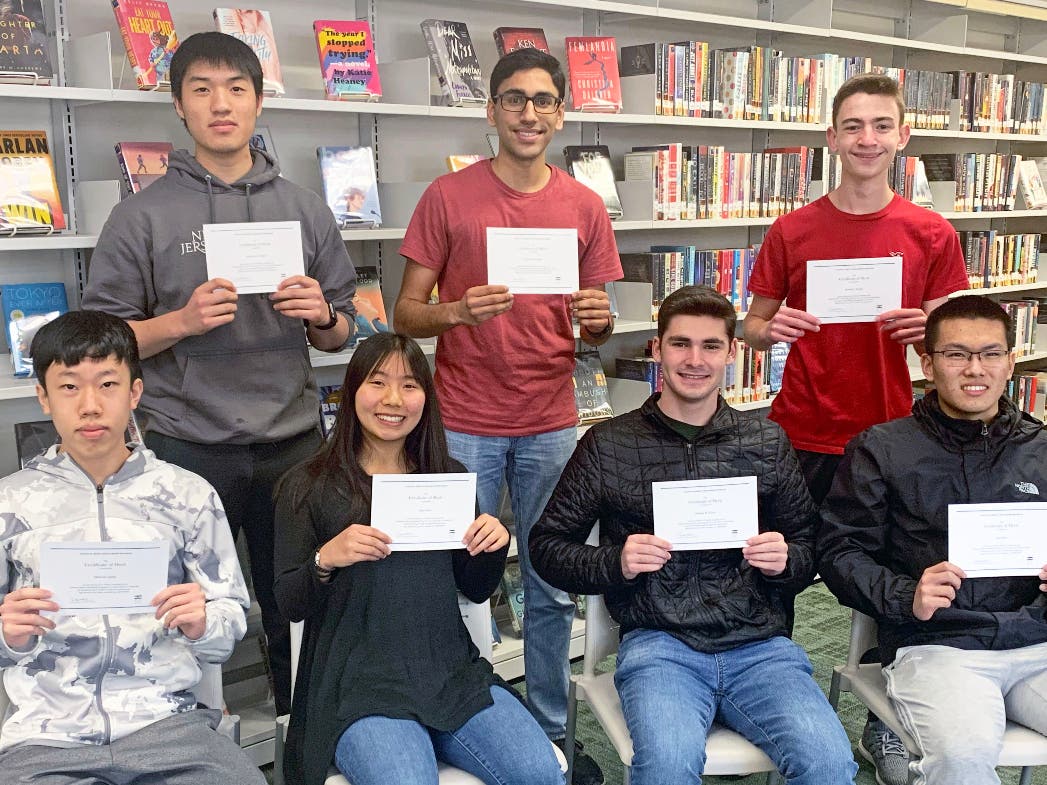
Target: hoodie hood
(191, 174)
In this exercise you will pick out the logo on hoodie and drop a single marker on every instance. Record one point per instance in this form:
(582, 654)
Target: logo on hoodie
(1027, 487)
(196, 245)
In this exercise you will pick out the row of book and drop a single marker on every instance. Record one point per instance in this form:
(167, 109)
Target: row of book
(1029, 393)
(996, 259)
(1024, 314)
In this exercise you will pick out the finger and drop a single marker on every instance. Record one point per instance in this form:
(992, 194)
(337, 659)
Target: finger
(31, 593)
(219, 283)
(30, 606)
(180, 617)
(483, 543)
(27, 619)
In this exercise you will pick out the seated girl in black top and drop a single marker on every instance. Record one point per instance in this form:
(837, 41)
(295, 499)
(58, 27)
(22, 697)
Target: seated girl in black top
(389, 681)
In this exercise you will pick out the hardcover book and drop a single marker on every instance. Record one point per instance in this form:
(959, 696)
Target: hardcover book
(1033, 193)
(370, 307)
(29, 200)
(142, 163)
(347, 60)
(350, 185)
(255, 29)
(149, 37)
(512, 586)
(33, 438)
(592, 62)
(262, 139)
(509, 39)
(28, 307)
(591, 396)
(330, 403)
(590, 164)
(454, 58)
(23, 43)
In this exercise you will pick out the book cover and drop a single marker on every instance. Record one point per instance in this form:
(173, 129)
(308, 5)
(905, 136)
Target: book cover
(348, 62)
(27, 307)
(638, 60)
(262, 139)
(29, 200)
(592, 62)
(458, 162)
(591, 165)
(149, 37)
(142, 163)
(454, 59)
(512, 586)
(330, 403)
(255, 29)
(370, 307)
(33, 438)
(23, 43)
(509, 39)
(350, 185)
(1032, 190)
(591, 396)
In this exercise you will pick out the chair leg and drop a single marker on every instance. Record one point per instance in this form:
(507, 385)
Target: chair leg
(570, 729)
(1026, 778)
(834, 690)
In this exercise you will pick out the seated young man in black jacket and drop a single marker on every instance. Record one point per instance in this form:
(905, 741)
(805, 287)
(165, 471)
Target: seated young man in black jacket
(961, 654)
(705, 631)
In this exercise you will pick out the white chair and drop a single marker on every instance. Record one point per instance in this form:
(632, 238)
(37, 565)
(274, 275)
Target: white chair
(726, 751)
(477, 618)
(1021, 746)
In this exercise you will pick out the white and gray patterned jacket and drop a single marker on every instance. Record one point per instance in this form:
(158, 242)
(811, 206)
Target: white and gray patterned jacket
(97, 678)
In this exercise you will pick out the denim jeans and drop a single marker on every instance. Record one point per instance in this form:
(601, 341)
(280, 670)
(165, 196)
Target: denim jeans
(531, 465)
(671, 694)
(955, 704)
(502, 745)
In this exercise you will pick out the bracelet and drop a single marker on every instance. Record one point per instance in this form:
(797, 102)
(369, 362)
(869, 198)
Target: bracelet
(606, 329)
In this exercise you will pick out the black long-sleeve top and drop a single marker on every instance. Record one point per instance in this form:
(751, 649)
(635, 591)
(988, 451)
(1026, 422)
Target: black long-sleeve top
(381, 638)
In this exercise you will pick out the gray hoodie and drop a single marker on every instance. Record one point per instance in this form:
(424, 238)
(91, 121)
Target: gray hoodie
(244, 382)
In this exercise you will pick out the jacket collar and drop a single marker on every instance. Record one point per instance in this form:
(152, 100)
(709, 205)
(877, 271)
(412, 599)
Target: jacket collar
(723, 419)
(957, 435)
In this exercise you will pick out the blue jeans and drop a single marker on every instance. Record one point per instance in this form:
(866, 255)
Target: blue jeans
(502, 745)
(671, 694)
(531, 465)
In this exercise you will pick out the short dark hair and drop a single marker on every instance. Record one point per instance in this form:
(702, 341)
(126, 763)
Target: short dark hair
(79, 334)
(524, 60)
(968, 306)
(871, 84)
(214, 49)
(697, 301)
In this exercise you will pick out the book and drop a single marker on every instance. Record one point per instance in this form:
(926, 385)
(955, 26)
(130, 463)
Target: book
(23, 43)
(592, 62)
(29, 200)
(33, 438)
(1031, 184)
(512, 586)
(262, 139)
(255, 29)
(348, 62)
(590, 165)
(456, 163)
(454, 59)
(591, 396)
(509, 39)
(330, 403)
(149, 37)
(370, 307)
(142, 163)
(350, 185)
(27, 307)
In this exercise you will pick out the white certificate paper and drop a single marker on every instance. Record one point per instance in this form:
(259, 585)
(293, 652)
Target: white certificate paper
(423, 512)
(103, 577)
(254, 256)
(533, 261)
(845, 291)
(996, 540)
(703, 515)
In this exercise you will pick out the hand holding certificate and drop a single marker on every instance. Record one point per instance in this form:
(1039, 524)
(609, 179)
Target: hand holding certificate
(104, 577)
(533, 261)
(255, 257)
(996, 540)
(423, 512)
(706, 514)
(845, 291)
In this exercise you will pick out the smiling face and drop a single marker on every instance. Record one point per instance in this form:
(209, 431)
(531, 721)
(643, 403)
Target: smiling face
(693, 351)
(390, 402)
(971, 391)
(867, 135)
(219, 107)
(523, 136)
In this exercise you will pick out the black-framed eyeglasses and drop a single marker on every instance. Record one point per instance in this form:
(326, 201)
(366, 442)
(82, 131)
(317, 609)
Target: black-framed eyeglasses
(543, 103)
(959, 358)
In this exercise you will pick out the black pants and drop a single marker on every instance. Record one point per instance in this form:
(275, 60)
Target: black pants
(244, 476)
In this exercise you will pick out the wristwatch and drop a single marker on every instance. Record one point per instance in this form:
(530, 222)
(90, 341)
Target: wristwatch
(323, 572)
(332, 321)
(606, 329)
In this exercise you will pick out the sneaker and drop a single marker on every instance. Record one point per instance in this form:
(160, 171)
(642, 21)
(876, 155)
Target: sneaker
(883, 749)
(586, 771)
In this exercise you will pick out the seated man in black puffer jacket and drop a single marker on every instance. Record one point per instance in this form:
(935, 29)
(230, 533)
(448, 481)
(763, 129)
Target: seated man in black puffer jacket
(962, 654)
(705, 633)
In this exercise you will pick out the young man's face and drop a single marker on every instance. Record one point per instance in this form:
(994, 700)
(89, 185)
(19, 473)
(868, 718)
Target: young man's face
(523, 136)
(90, 404)
(867, 135)
(219, 106)
(969, 390)
(693, 351)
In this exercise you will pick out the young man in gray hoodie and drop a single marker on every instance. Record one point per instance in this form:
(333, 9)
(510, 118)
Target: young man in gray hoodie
(229, 389)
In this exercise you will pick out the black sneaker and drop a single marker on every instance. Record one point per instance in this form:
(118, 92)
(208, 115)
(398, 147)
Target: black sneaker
(586, 771)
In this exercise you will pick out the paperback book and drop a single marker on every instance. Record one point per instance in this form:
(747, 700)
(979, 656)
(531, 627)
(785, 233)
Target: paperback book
(147, 30)
(509, 39)
(1031, 189)
(27, 307)
(370, 307)
(591, 166)
(512, 587)
(350, 185)
(591, 396)
(254, 28)
(330, 403)
(347, 60)
(592, 62)
(454, 60)
(262, 139)
(29, 200)
(142, 163)
(23, 43)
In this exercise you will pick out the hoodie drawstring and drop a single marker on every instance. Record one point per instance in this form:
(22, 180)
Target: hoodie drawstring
(247, 193)
(210, 198)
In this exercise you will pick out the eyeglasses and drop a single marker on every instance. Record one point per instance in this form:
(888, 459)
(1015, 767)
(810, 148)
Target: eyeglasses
(516, 102)
(959, 358)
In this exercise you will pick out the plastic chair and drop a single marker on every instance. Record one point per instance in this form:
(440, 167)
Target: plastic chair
(1022, 746)
(726, 751)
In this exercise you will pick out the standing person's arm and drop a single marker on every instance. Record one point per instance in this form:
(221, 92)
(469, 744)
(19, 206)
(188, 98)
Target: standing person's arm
(415, 316)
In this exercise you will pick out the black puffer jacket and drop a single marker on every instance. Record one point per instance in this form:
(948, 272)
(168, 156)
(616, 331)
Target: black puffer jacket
(711, 600)
(886, 520)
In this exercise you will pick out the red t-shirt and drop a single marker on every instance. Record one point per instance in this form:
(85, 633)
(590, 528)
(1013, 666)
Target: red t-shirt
(510, 375)
(847, 377)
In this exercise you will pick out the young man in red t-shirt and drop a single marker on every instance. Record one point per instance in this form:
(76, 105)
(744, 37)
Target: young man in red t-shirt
(504, 361)
(842, 378)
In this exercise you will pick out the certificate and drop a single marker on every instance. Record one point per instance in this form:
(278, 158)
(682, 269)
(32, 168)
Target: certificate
(845, 291)
(701, 515)
(996, 540)
(533, 261)
(104, 577)
(254, 256)
(423, 512)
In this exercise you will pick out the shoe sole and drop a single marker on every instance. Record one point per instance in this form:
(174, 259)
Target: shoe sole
(868, 756)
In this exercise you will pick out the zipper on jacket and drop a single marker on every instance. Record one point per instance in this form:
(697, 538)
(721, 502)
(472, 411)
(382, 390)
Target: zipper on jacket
(985, 438)
(692, 470)
(108, 650)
